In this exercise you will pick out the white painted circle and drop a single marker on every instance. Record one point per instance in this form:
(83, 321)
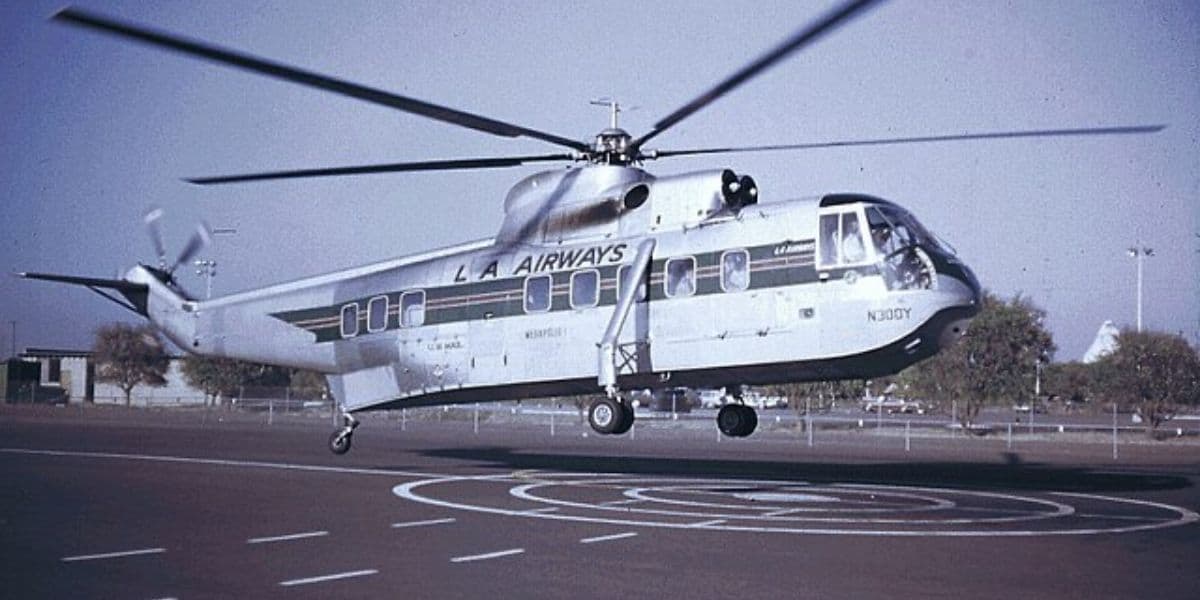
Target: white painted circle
(793, 507)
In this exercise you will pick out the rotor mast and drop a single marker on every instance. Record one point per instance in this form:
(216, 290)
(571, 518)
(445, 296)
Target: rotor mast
(611, 146)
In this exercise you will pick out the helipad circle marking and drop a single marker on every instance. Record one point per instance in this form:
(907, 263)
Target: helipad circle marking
(931, 503)
(524, 492)
(784, 497)
(1181, 516)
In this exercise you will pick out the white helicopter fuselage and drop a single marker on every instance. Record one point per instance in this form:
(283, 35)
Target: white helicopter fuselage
(755, 294)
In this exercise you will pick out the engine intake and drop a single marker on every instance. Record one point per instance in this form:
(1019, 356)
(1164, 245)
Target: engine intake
(738, 192)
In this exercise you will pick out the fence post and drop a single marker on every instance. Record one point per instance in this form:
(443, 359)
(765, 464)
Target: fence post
(808, 422)
(1114, 431)
(404, 419)
(552, 422)
(907, 443)
(476, 418)
(271, 410)
(1009, 438)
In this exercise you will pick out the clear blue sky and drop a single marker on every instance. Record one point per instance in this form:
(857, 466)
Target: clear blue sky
(95, 130)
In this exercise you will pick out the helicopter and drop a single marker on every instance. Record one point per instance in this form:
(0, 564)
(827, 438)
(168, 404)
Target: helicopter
(602, 277)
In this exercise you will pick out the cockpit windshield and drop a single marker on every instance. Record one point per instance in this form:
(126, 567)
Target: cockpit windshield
(898, 237)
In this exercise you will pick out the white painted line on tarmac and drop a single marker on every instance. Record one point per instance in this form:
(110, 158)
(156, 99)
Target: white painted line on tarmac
(608, 538)
(216, 462)
(113, 554)
(489, 555)
(422, 523)
(534, 511)
(1119, 517)
(623, 501)
(334, 576)
(781, 512)
(284, 538)
(708, 523)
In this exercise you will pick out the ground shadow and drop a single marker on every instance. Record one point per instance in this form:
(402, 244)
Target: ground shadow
(1011, 474)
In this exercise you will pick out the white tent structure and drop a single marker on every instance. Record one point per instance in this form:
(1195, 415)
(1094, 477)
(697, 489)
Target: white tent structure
(1104, 344)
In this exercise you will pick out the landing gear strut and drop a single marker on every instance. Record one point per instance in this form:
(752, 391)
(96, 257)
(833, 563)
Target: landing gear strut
(610, 415)
(339, 441)
(737, 420)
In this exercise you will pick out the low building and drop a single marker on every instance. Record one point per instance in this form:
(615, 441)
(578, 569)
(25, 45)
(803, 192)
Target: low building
(71, 376)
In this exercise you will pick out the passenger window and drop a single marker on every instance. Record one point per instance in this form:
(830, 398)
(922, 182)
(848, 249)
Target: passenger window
(412, 309)
(377, 310)
(735, 270)
(585, 289)
(537, 293)
(623, 275)
(681, 277)
(350, 320)
(829, 239)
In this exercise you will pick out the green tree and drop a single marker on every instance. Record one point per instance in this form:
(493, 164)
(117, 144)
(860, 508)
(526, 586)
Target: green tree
(1152, 372)
(129, 355)
(309, 385)
(219, 378)
(994, 363)
(1073, 382)
(821, 395)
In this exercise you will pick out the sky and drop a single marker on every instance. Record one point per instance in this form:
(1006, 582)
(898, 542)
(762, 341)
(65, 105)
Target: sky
(95, 130)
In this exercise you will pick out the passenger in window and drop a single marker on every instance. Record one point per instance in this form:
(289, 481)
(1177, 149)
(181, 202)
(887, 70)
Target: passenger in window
(881, 236)
(829, 241)
(852, 246)
(681, 278)
(735, 271)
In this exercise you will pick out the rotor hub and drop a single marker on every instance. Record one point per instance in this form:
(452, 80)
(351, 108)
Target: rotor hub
(611, 147)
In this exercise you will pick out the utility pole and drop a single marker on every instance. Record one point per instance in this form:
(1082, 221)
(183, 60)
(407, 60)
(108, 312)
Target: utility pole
(1140, 254)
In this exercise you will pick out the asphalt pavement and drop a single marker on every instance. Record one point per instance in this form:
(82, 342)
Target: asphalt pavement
(162, 504)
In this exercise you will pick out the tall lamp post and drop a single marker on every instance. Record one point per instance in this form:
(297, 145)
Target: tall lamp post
(206, 269)
(1140, 254)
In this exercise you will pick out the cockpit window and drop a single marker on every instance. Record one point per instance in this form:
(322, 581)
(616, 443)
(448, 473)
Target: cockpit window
(829, 236)
(842, 240)
(897, 238)
(852, 244)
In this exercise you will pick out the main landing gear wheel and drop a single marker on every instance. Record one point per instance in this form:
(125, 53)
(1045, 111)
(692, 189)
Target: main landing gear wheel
(339, 441)
(610, 415)
(627, 417)
(737, 420)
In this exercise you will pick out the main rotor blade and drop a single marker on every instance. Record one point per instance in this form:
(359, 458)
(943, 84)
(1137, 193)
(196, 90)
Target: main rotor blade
(240, 60)
(428, 165)
(920, 139)
(800, 39)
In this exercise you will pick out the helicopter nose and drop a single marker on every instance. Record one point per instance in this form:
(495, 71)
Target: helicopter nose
(973, 285)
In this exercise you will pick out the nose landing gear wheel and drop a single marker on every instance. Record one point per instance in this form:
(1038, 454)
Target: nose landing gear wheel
(737, 420)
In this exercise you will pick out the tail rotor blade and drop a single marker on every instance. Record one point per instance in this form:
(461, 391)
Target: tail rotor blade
(152, 217)
(195, 244)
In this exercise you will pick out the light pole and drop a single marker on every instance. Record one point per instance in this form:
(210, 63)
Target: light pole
(1140, 255)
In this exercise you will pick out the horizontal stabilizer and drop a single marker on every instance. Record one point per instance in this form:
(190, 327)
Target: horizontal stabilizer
(113, 284)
